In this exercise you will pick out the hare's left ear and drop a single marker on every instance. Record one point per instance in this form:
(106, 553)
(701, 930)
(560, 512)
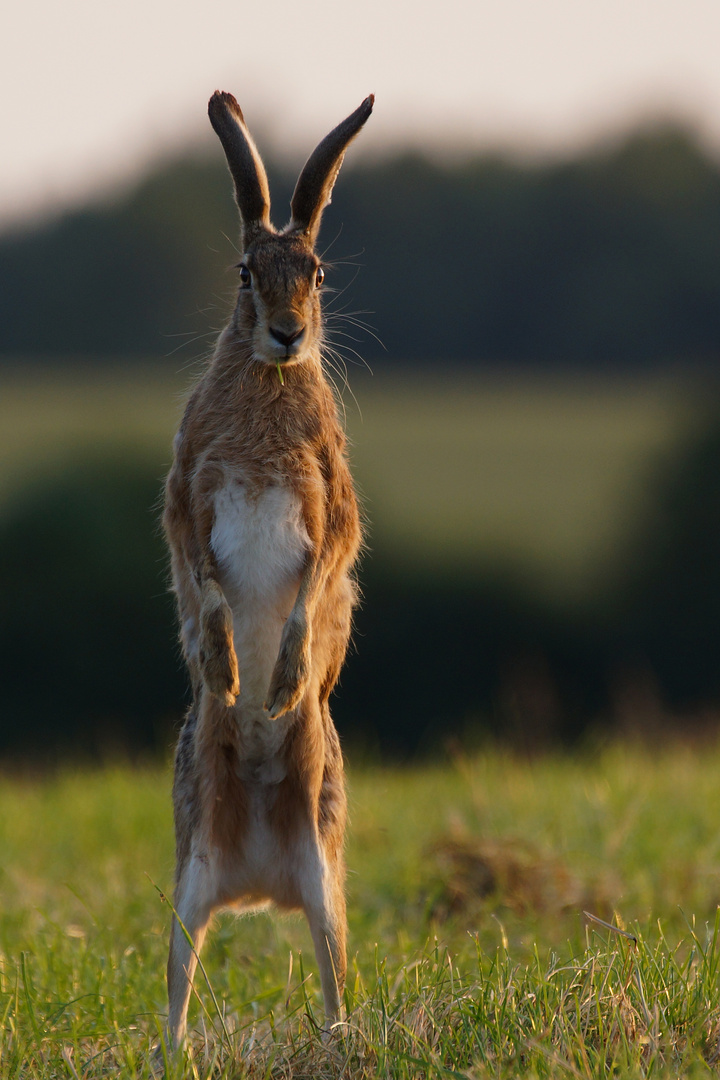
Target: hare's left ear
(315, 183)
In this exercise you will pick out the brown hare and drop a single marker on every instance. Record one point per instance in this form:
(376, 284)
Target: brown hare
(262, 524)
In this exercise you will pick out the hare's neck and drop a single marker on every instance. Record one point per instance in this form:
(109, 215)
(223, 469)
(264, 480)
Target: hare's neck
(236, 372)
(242, 395)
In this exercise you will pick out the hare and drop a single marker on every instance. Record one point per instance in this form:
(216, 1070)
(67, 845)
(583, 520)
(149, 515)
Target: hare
(262, 525)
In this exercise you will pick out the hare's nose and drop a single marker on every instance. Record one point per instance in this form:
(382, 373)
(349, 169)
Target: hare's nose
(293, 338)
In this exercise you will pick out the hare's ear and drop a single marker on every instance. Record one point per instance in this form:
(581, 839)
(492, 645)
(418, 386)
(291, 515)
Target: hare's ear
(314, 187)
(246, 168)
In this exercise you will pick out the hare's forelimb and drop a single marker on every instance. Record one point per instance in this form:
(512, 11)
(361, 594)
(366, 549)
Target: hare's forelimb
(293, 667)
(291, 674)
(216, 653)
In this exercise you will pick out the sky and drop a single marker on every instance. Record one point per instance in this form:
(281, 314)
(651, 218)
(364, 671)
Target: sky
(92, 91)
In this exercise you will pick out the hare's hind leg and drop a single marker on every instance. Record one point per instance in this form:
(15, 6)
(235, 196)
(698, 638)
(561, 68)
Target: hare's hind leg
(194, 905)
(324, 905)
(324, 877)
(192, 899)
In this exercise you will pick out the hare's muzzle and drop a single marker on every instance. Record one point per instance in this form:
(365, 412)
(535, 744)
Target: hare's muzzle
(289, 340)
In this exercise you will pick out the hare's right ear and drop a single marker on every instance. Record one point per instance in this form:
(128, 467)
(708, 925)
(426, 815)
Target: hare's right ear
(252, 193)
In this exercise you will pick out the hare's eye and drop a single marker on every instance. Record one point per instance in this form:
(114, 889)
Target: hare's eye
(319, 276)
(245, 276)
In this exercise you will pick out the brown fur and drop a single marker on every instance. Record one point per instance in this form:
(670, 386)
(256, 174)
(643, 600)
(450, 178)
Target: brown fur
(259, 793)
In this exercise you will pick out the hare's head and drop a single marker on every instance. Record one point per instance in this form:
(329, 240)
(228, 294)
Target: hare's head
(278, 310)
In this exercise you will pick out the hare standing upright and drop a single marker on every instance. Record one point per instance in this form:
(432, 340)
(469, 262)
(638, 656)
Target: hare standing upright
(262, 524)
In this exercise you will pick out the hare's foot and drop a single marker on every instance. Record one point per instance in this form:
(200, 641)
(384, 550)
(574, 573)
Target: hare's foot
(291, 673)
(162, 1055)
(218, 661)
(332, 1033)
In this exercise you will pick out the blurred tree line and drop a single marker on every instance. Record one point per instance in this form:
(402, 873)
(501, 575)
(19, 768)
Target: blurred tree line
(610, 258)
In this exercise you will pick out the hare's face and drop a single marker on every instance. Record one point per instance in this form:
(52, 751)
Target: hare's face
(278, 313)
(279, 301)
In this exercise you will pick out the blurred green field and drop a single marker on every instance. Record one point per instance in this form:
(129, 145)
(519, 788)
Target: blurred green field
(537, 477)
(469, 952)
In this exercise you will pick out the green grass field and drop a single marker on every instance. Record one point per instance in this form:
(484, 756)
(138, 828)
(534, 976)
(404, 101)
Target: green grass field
(537, 477)
(470, 955)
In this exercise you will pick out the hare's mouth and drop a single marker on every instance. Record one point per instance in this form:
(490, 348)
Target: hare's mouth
(285, 357)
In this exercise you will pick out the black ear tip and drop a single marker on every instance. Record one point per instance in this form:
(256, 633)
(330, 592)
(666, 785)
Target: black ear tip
(221, 103)
(367, 105)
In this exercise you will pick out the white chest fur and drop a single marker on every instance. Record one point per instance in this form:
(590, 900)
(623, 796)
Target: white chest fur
(260, 542)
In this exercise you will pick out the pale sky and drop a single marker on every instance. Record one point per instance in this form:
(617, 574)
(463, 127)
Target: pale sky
(90, 90)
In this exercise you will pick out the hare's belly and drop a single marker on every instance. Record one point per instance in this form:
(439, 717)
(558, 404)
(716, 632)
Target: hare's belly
(260, 543)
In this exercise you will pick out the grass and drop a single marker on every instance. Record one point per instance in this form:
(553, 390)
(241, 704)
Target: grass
(469, 951)
(536, 476)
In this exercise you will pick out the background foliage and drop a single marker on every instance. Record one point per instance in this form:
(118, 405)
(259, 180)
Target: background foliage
(609, 259)
(542, 554)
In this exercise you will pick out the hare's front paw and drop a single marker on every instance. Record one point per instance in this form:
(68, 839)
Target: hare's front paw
(286, 690)
(290, 676)
(218, 661)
